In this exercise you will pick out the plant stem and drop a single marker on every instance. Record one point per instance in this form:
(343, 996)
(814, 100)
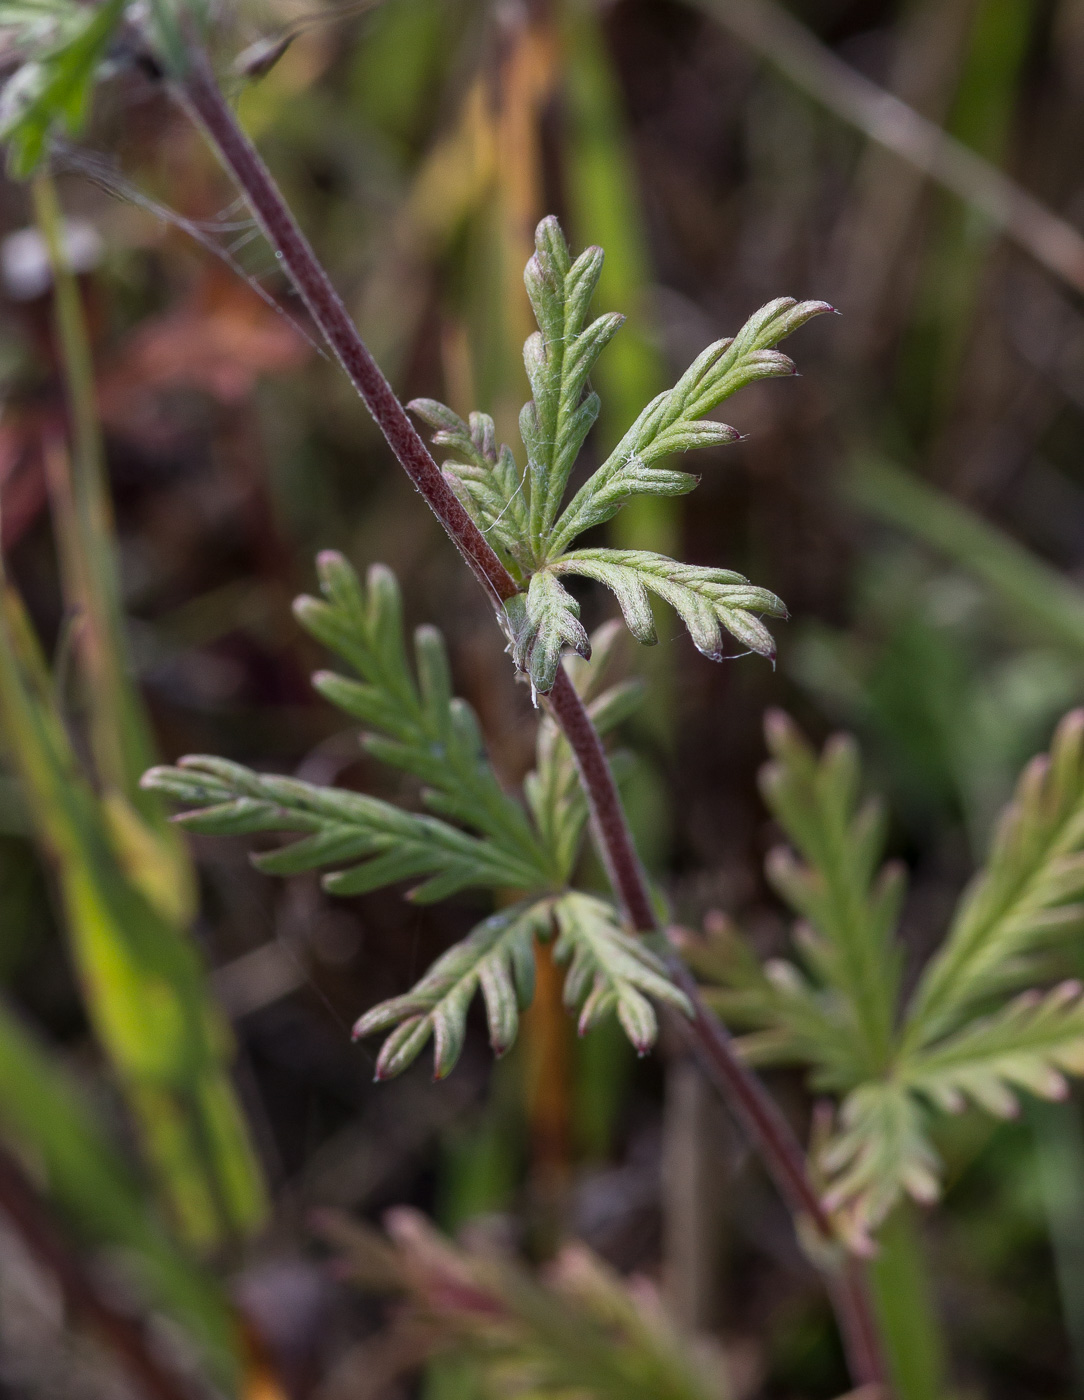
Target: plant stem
(200, 93)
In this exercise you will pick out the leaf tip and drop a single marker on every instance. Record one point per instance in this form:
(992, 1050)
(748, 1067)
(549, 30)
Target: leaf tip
(779, 729)
(329, 559)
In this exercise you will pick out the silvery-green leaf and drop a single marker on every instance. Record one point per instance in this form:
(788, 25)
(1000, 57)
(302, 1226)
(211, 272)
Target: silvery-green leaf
(672, 421)
(558, 359)
(417, 723)
(483, 476)
(609, 968)
(339, 827)
(707, 600)
(544, 621)
(497, 958)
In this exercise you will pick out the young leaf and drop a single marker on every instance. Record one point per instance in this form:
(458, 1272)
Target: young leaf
(498, 957)
(671, 422)
(559, 358)
(706, 600)
(339, 828)
(543, 621)
(1031, 891)
(611, 970)
(483, 476)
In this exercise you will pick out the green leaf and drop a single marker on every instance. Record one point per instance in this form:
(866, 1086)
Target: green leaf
(415, 725)
(880, 1152)
(339, 827)
(1030, 893)
(543, 622)
(53, 87)
(1026, 1045)
(484, 477)
(611, 970)
(840, 1015)
(707, 600)
(671, 422)
(848, 904)
(788, 1019)
(497, 957)
(559, 358)
(882, 1149)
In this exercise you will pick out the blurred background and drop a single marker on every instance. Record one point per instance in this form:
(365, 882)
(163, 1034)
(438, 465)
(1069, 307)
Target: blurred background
(916, 498)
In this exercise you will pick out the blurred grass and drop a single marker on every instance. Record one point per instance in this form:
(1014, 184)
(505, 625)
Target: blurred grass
(126, 883)
(47, 1118)
(144, 987)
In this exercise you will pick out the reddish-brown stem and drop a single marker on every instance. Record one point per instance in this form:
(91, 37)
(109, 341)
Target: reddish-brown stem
(853, 1307)
(201, 95)
(20, 1203)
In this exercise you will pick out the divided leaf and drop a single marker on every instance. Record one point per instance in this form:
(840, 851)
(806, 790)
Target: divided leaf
(421, 728)
(671, 422)
(848, 905)
(880, 1152)
(882, 1149)
(1027, 1045)
(543, 621)
(706, 600)
(520, 515)
(484, 477)
(558, 358)
(611, 970)
(1031, 892)
(496, 957)
(339, 828)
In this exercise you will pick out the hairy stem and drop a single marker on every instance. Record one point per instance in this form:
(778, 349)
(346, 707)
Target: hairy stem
(706, 1037)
